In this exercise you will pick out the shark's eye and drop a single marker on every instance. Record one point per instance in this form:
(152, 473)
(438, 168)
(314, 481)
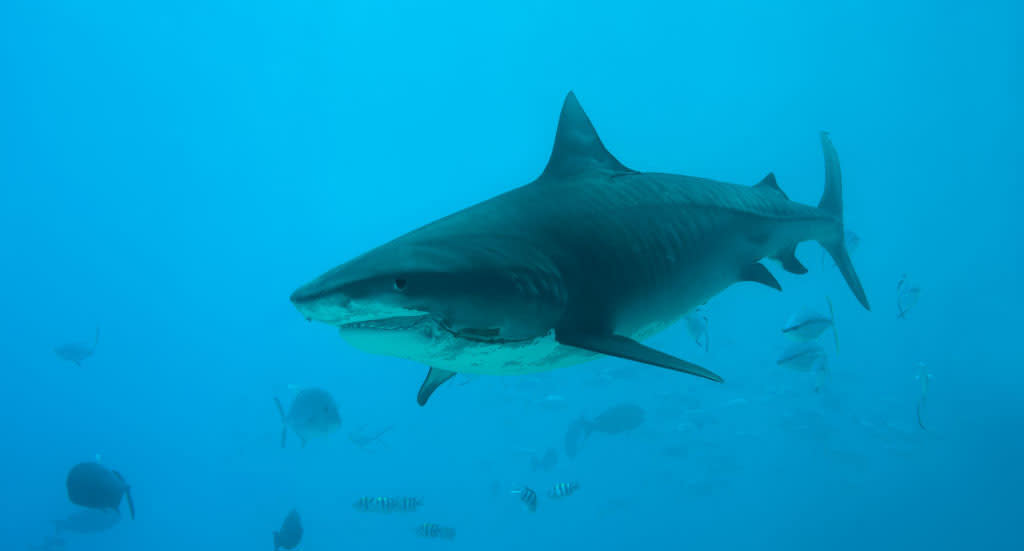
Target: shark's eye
(400, 284)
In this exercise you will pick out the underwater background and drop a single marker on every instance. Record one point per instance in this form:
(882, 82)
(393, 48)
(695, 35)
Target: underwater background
(171, 171)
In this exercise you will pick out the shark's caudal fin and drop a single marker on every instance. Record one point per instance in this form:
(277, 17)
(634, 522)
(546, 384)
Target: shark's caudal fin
(832, 203)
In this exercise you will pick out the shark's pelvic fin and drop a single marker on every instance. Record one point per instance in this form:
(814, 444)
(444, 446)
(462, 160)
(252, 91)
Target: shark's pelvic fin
(769, 182)
(832, 203)
(757, 273)
(789, 261)
(626, 348)
(435, 378)
(577, 147)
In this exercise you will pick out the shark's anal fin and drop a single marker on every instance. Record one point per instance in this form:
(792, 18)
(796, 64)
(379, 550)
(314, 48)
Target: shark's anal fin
(789, 261)
(757, 273)
(435, 378)
(626, 348)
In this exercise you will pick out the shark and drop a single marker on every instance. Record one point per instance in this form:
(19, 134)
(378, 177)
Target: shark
(588, 260)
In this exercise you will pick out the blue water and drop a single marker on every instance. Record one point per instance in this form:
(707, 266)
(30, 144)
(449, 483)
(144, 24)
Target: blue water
(172, 171)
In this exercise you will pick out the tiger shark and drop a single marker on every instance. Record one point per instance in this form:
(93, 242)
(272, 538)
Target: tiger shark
(588, 260)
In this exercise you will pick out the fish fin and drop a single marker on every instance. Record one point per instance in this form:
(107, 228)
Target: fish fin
(284, 429)
(435, 378)
(832, 203)
(131, 504)
(757, 273)
(577, 147)
(629, 349)
(768, 182)
(832, 314)
(789, 261)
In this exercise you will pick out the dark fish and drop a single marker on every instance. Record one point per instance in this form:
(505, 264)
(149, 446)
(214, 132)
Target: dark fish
(564, 489)
(313, 414)
(368, 504)
(528, 497)
(94, 486)
(697, 325)
(88, 521)
(436, 531)
(614, 420)
(803, 356)
(907, 295)
(76, 353)
(290, 534)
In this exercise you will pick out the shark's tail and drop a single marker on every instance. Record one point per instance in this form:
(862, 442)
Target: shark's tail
(832, 203)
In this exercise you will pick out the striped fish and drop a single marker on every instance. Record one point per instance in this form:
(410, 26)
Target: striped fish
(528, 497)
(564, 489)
(433, 530)
(368, 504)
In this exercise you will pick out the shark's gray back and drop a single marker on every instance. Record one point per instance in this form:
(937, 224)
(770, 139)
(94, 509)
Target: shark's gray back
(634, 235)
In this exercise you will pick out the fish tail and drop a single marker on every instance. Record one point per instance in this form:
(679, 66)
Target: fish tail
(131, 504)
(920, 422)
(832, 314)
(284, 428)
(832, 203)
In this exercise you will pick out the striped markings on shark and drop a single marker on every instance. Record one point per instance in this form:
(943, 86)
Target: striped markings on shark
(589, 259)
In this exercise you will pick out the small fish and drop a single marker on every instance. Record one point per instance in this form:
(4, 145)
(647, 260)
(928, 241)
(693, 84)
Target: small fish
(435, 531)
(545, 463)
(803, 356)
(563, 489)
(907, 295)
(94, 486)
(368, 504)
(614, 420)
(808, 325)
(290, 534)
(697, 325)
(365, 439)
(76, 353)
(924, 377)
(313, 414)
(528, 497)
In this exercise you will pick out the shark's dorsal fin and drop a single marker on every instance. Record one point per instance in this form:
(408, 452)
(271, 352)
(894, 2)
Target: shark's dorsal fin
(577, 147)
(770, 183)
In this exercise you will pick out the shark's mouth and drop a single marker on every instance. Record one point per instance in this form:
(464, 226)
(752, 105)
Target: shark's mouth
(490, 335)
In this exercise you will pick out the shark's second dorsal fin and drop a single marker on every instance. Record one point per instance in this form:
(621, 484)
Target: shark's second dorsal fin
(577, 147)
(769, 182)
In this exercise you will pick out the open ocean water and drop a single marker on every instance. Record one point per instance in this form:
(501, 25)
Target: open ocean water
(171, 172)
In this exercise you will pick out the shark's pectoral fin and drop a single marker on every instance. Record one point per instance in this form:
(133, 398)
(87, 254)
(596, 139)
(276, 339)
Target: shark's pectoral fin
(435, 378)
(626, 348)
(789, 261)
(757, 273)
